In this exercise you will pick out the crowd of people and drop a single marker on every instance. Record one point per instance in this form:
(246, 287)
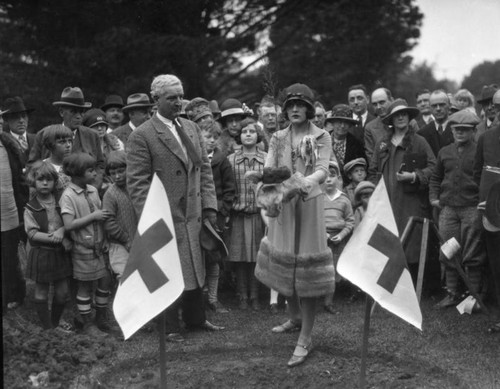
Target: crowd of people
(283, 186)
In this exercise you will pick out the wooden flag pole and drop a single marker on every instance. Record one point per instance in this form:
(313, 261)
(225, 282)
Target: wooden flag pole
(163, 361)
(364, 346)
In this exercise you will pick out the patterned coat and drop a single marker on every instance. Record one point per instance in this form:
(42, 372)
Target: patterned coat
(152, 148)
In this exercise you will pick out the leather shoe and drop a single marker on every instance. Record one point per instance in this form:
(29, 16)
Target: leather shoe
(174, 337)
(288, 326)
(300, 354)
(211, 327)
(274, 309)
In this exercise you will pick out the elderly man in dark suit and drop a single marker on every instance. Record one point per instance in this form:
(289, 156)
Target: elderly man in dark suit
(138, 109)
(16, 124)
(172, 147)
(438, 133)
(71, 106)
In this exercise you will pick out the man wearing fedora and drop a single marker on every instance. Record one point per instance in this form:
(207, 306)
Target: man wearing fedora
(172, 147)
(113, 108)
(438, 133)
(72, 106)
(16, 123)
(486, 101)
(138, 109)
(486, 160)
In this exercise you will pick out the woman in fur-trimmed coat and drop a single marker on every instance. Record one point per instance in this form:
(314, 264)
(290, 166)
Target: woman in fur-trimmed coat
(294, 258)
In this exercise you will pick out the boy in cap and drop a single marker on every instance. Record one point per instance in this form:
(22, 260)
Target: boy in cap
(355, 171)
(452, 189)
(339, 221)
(362, 195)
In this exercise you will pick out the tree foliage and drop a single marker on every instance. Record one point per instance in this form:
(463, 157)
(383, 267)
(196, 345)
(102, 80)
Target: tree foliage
(118, 46)
(485, 73)
(331, 45)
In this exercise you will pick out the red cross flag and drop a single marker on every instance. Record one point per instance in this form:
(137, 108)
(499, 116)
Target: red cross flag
(374, 260)
(152, 279)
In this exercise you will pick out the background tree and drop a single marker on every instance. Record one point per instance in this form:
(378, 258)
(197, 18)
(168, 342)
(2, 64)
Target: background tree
(117, 46)
(485, 73)
(331, 45)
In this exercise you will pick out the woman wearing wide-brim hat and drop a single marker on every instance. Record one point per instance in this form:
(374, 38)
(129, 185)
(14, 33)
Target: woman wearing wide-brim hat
(294, 257)
(405, 160)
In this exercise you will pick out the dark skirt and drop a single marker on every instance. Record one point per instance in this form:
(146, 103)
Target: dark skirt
(47, 265)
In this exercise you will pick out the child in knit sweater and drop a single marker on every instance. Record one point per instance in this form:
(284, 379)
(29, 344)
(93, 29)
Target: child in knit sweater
(339, 220)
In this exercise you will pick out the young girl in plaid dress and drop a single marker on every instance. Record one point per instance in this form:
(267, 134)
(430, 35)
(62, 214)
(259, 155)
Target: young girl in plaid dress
(48, 261)
(247, 227)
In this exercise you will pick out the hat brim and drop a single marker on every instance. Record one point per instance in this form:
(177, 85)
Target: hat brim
(232, 111)
(202, 115)
(87, 104)
(210, 240)
(98, 122)
(9, 112)
(342, 118)
(108, 106)
(133, 106)
(297, 98)
(411, 111)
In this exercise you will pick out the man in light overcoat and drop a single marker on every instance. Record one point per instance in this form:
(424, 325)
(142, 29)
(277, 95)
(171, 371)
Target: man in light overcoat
(172, 147)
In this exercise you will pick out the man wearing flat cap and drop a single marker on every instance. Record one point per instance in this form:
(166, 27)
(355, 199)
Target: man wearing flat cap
(138, 109)
(113, 108)
(16, 123)
(72, 106)
(453, 190)
(486, 101)
(438, 133)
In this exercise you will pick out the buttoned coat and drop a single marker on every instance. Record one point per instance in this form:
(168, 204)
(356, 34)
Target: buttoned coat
(153, 148)
(436, 140)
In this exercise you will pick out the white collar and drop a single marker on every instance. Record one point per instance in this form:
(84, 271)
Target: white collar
(132, 125)
(163, 119)
(336, 195)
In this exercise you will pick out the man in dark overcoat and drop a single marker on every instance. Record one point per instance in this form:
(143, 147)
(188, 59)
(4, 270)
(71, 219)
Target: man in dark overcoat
(172, 147)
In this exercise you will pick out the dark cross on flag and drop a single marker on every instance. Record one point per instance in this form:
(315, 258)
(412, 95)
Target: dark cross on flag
(141, 255)
(388, 244)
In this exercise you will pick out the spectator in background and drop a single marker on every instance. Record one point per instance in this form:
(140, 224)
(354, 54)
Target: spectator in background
(13, 197)
(438, 133)
(71, 107)
(405, 161)
(268, 119)
(319, 115)
(487, 154)
(138, 109)
(453, 190)
(198, 110)
(465, 100)
(423, 104)
(344, 145)
(358, 101)
(375, 130)
(112, 107)
(232, 114)
(486, 102)
(16, 123)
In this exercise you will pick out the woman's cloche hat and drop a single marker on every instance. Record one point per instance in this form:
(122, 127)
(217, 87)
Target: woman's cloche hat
(299, 92)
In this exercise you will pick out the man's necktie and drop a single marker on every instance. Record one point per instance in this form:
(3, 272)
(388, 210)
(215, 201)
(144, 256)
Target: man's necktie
(191, 151)
(23, 142)
(440, 129)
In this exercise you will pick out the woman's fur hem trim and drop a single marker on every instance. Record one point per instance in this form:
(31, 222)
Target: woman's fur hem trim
(308, 275)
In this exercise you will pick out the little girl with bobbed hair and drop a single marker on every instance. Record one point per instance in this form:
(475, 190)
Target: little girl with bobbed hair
(247, 227)
(48, 261)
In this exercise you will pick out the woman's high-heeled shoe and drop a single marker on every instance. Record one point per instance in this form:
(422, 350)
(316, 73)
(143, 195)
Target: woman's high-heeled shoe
(296, 360)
